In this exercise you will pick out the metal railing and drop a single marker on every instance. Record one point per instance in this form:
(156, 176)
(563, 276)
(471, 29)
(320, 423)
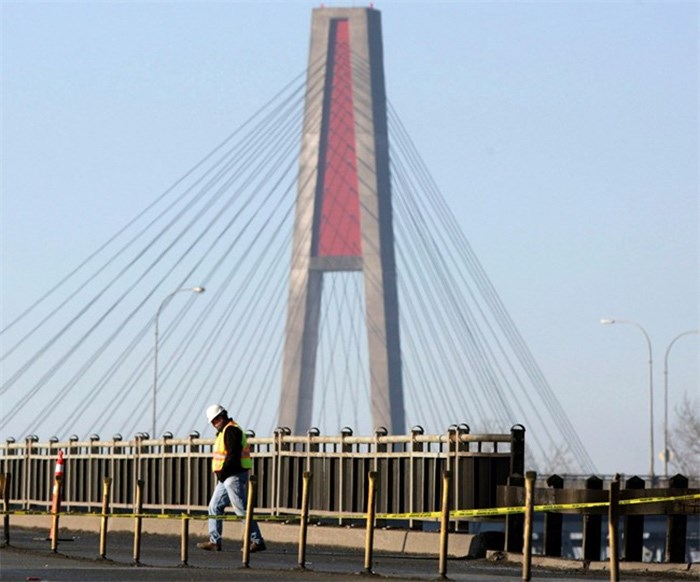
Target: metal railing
(176, 473)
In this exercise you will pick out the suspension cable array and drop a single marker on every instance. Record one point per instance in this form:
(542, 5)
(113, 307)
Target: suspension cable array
(79, 359)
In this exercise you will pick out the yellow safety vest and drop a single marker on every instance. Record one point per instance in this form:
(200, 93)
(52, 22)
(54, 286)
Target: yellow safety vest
(220, 451)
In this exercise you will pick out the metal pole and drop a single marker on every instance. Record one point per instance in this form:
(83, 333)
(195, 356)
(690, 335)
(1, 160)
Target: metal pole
(668, 349)
(651, 388)
(155, 351)
(613, 518)
(185, 532)
(137, 521)
(371, 510)
(444, 524)
(106, 486)
(252, 480)
(530, 478)
(155, 374)
(304, 519)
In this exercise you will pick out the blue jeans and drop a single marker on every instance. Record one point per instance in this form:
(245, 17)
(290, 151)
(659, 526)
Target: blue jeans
(232, 492)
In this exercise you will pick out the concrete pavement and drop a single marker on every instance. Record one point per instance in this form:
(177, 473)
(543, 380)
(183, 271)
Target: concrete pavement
(29, 558)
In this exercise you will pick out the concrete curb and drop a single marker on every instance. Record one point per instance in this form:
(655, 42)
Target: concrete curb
(395, 541)
(691, 571)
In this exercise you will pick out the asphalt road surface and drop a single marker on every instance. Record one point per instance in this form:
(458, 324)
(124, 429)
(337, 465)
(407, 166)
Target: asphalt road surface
(29, 559)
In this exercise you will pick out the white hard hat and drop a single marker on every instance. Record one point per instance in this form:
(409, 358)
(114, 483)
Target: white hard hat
(213, 411)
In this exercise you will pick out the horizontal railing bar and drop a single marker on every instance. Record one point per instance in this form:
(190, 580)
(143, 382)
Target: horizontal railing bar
(49, 447)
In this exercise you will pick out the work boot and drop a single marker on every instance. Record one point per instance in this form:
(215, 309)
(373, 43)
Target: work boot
(257, 547)
(209, 546)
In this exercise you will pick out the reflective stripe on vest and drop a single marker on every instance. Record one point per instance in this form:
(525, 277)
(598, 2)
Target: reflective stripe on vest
(220, 452)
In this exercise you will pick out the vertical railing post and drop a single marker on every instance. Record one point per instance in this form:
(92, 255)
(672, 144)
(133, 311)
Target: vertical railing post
(311, 447)
(591, 525)
(165, 475)
(416, 446)
(553, 522)
(49, 478)
(515, 522)
(92, 478)
(277, 469)
(119, 486)
(6, 506)
(517, 450)
(451, 447)
(137, 463)
(460, 500)
(676, 525)
(28, 463)
(384, 467)
(345, 448)
(633, 534)
(189, 459)
(74, 470)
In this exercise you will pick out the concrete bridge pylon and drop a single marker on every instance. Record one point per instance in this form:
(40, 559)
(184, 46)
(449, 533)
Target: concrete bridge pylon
(343, 218)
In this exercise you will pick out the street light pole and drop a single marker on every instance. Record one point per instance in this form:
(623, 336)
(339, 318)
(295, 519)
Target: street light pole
(668, 349)
(651, 388)
(155, 349)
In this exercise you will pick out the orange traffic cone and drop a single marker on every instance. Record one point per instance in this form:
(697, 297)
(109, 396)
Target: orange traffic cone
(56, 500)
(59, 465)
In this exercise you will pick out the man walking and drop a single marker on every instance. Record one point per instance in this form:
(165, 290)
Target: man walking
(230, 463)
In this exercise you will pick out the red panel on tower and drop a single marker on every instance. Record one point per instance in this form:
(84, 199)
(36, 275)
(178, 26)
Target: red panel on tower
(339, 226)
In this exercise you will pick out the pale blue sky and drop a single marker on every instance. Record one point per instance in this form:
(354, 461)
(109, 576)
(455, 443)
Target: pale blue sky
(564, 136)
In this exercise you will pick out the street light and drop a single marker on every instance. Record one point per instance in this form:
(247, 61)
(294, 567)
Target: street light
(651, 388)
(668, 349)
(155, 348)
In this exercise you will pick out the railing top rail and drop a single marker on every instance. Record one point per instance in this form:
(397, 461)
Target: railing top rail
(443, 438)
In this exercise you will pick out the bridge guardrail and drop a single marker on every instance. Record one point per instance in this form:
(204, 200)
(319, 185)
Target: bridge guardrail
(177, 477)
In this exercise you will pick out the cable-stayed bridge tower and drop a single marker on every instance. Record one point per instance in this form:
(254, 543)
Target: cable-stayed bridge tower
(80, 357)
(343, 212)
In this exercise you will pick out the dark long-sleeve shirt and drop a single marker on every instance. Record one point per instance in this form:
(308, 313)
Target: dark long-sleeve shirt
(233, 439)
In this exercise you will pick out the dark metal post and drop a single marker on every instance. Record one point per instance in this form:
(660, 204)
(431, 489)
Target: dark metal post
(517, 450)
(591, 525)
(633, 535)
(6, 506)
(415, 476)
(676, 526)
(465, 478)
(515, 521)
(553, 523)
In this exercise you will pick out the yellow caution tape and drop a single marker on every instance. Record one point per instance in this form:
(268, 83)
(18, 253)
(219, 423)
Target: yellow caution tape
(486, 512)
(537, 508)
(225, 517)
